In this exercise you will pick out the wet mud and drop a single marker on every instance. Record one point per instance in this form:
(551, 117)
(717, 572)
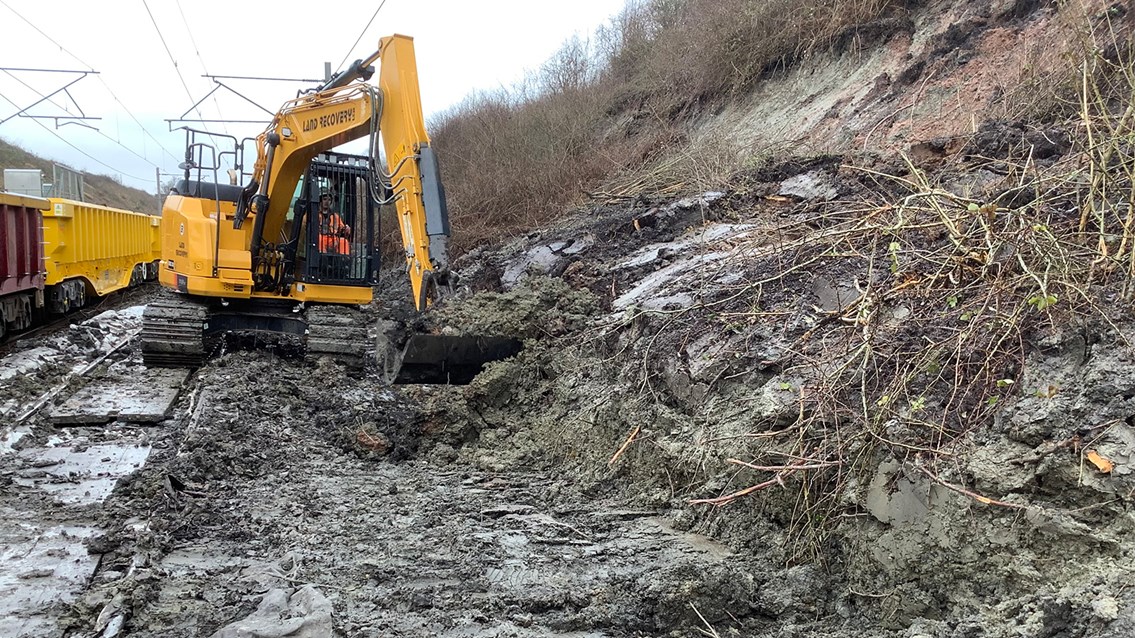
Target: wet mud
(843, 395)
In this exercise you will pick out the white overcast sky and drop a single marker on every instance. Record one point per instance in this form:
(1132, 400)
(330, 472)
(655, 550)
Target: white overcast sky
(462, 46)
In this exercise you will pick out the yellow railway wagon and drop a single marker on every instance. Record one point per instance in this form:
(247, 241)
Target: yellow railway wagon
(90, 249)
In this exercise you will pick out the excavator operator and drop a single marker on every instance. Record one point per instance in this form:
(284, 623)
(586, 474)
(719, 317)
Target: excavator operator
(333, 231)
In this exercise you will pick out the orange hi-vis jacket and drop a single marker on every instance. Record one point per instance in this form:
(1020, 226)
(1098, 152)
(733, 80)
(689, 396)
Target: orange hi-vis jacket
(332, 235)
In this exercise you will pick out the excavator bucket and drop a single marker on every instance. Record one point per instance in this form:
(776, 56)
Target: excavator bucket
(444, 359)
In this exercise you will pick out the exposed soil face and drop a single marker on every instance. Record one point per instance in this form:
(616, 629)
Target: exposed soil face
(939, 71)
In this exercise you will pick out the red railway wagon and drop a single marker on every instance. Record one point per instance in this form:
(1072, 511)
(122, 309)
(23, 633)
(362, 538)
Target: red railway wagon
(21, 260)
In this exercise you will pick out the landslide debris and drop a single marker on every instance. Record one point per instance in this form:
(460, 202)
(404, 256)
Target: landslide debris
(909, 383)
(841, 394)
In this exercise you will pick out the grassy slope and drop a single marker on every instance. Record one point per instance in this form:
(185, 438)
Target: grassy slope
(100, 189)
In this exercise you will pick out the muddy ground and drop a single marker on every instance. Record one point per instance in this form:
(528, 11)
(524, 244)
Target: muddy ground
(844, 394)
(803, 406)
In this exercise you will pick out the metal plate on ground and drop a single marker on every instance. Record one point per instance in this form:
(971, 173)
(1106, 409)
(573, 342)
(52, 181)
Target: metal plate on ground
(144, 399)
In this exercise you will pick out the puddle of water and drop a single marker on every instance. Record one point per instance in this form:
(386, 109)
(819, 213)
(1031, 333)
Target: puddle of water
(42, 566)
(86, 476)
(42, 563)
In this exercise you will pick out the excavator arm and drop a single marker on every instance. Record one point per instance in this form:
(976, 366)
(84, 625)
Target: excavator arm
(423, 219)
(344, 110)
(302, 129)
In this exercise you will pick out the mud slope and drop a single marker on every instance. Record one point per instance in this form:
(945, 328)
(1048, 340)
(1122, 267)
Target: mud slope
(896, 389)
(921, 80)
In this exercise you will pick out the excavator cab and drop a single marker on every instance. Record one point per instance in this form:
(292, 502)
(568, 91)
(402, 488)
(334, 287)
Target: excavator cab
(335, 222)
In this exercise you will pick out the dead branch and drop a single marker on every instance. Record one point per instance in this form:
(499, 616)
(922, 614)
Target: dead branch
(626, 444)
(964, 492)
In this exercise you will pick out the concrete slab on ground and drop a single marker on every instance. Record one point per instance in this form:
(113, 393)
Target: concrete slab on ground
(123, 399)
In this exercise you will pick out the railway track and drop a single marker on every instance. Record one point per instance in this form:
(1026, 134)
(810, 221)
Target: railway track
(11, 341)
(64, 445)
(66, 381)
(38, 366)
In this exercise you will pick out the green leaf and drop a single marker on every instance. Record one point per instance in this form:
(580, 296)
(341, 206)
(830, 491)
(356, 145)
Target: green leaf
(1042, 301)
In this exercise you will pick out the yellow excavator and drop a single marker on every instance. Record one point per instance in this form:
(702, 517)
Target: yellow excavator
(294, 251)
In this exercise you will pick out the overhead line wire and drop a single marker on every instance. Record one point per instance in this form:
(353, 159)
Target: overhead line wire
(359, 39)
(86, 154)
(40, 31)
(64, 108)
(138, 122)
(45, 97)
(197, 50)
(172, 60)
(100, 79)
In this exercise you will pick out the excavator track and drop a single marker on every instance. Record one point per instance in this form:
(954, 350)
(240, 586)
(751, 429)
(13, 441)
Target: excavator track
(176, 331)
(341, 333)
(173, 333)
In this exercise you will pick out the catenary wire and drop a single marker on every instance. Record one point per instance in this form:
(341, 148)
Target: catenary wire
(172, 60)
(34, 90)
(84, 153)
(65, 110)
(361, 34)
(101, 80)
(197, 51)
(56, 134)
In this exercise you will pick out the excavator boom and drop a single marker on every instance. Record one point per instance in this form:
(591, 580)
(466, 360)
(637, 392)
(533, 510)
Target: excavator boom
(343, 111)
(415, 180)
